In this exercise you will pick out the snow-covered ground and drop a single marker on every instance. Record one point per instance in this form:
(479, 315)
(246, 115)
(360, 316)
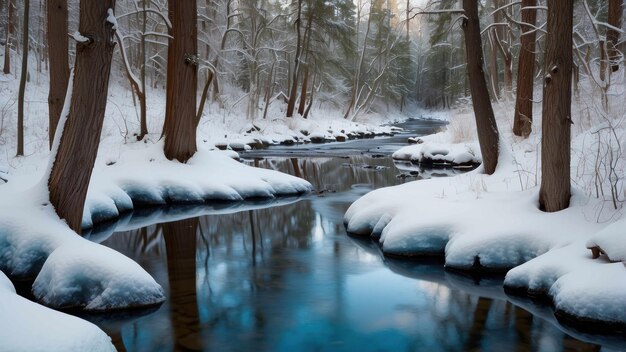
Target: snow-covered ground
(71, 272)
(27, 326)
(493, 223)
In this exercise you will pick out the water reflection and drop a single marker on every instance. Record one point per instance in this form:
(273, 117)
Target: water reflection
(289, 278)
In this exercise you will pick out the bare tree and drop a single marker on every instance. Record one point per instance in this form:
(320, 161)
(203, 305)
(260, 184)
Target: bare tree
(58, 48)
(483, 112)
(78, 144)
(523, 118)
(180, 124)
(291, 104)
(23, 78)
(555, 191)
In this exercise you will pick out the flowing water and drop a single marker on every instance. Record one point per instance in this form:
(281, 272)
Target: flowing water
(284, 276)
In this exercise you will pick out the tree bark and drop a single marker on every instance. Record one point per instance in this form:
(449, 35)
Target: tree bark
(182, 80)
(612, 36)
(143, 104)
(554, 194)
(523, 118)
(24, 76)
(10, 30)
(59, 63)
(291, 104)
(78, 147)
(303, 91)
(485, 121)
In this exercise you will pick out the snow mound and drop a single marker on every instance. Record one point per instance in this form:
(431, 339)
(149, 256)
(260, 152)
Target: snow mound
(440, 154)
(27, 326)
(611, 241)
(475, 220)
(70, 271)
(82, 274)
(143, 176)
(580, 287)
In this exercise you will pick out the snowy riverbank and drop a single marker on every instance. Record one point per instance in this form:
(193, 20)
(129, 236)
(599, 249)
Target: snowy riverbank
(483, 223)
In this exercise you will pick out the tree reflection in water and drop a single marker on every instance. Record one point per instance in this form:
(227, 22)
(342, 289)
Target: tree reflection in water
(288, 278)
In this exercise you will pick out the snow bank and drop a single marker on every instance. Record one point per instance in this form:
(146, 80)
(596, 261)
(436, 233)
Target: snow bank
(143, 176)
(580, 287)
(27, 326)
(475, 229)
(71, 271)
(82, 274)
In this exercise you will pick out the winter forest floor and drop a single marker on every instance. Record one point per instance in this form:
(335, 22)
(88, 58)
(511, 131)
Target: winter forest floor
(479, 223)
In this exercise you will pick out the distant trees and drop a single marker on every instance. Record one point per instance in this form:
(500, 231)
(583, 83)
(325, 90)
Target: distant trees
(486, 125)
(555, 191)
(58, 50)
(180, 125)
(73, 164)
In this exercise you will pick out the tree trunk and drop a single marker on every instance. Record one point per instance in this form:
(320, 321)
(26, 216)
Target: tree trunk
(523, 118)
(603, 63)
(485, 121)
(10, 30)
(182, 80)
(78, 147)
(554, 194)
(24, 76)
(143, 105)
(203, 98)
(59, 63)
(303, 91)
(291, 104)
(612, 36)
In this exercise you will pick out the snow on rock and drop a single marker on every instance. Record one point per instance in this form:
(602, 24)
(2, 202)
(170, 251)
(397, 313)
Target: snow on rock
(592, 290)
(27, 326)
(82, 274)
(440, 153)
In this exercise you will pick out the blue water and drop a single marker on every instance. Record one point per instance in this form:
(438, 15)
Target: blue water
(288, 278)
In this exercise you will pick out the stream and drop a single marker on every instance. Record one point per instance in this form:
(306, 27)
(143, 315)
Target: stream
(284, 275)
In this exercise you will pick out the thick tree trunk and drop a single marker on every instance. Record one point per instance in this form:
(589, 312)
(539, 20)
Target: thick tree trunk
(483, 112)
(291, 104)
(9, 32)
(24, 76)
(612, 36)
(78, 148)
(182, 80)
(59, 63)
(554, 194)
(523, 118)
